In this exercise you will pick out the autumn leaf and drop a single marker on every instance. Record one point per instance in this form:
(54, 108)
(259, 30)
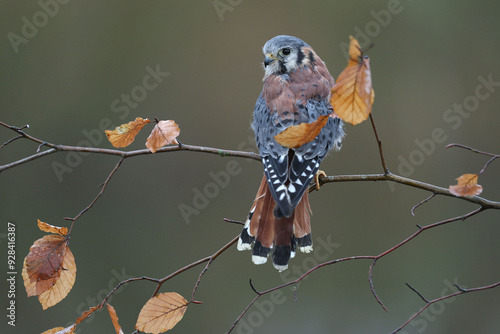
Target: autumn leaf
(352, 96)
(124, 134)
(114, 319)
(164, 133)
(300, 134)
(61, 330)
(466, 186)
(63, 285)
(161, 313)
(43, 263)
(52, 229)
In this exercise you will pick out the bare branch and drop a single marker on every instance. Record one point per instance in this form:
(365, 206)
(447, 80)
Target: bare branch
(379, 143)
(421, 202)
(430, 302)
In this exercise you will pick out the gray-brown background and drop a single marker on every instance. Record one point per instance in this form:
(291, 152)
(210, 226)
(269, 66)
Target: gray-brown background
(70, 75)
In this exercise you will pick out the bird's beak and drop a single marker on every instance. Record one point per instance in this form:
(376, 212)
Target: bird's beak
(268, 59)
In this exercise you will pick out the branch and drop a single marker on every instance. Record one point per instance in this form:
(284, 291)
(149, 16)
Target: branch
(374, 259)
(430, 302)
(487, 204)
(124, 154)
(493, 156)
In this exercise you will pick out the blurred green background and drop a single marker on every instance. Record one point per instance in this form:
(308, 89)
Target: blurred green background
(73, 72)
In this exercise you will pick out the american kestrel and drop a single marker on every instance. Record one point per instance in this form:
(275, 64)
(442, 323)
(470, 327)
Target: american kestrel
(297, 88)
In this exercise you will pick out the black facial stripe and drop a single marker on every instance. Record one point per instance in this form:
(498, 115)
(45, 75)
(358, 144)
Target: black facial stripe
(311, 57)
(282, 67)
(300, 56)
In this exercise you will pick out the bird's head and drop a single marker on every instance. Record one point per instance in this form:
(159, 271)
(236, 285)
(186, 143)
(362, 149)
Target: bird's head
(283, 54)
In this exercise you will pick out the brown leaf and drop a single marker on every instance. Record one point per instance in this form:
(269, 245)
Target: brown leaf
(164, 133)
(353, 95)
(300, 134)
(61, 330)
(466, 186)
(43, 264)
(86, 314)
(124, 134)
(63, 285)
(52, 229)
(114, 319)
(161, 313)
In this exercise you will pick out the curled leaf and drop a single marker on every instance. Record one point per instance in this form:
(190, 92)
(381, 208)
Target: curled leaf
(161, 313)
(466, 186)
(52, 229)
(124, 134)
(300, 134)
(164, 133)
(352, 96)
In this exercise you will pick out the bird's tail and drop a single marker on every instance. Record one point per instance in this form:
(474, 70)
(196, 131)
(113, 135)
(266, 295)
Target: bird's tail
(284, 234)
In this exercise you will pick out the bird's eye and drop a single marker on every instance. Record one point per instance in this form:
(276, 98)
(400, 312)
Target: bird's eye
(286, 51)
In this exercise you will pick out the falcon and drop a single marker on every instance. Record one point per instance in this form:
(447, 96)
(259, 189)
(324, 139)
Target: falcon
(297, 88)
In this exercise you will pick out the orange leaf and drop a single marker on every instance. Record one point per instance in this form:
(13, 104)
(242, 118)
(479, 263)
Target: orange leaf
(63, 285)
(114, 319)
(124, 134)
(164, 133)
(43, 264)
(300, 134)
(61, 330)
(353, 95)
(86, 314)
(161, 313)
(466, 186)
(51, 228)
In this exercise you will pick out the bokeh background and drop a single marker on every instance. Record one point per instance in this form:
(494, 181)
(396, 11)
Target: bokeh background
(69, 77)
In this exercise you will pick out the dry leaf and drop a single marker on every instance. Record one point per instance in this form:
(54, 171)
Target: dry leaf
(353, 95)
(164, 133)
(63, 285)
(161, 313)
(43, 264)
(466, 186)
(300, 134)
(52, 229)
(61, 330)
(124, 134)
(114, 319)
(86, 314)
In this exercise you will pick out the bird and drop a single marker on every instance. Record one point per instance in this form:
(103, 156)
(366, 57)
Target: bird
(296, 89)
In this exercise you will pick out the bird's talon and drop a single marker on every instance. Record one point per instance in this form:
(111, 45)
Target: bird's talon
(316, 178)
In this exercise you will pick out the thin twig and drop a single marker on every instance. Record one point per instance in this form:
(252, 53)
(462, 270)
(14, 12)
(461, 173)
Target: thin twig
(372, 287)
(10, 141)
(417, 292)
(98, 195)
(379, 143)
(493, 156)
(421, 202)
(430, 302)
